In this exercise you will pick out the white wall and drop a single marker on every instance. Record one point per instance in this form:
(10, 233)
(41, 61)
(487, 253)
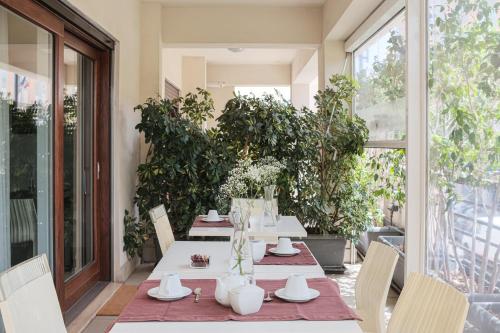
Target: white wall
(125, 27)
(172, 68)
(220, 96)
(249, 75)
(242, 25)
(194, 74)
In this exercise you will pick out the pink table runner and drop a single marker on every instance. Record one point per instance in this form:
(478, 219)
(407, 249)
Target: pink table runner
(329, 306)
(199, 223)
(305, 257)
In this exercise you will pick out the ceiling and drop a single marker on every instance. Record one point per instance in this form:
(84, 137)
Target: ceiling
(252, 56)
(269, 3)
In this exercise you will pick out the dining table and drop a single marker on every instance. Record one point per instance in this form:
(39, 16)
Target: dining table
(177, 260)
(286, 226)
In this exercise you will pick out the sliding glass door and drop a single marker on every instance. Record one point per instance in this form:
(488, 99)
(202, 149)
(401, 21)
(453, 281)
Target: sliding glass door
(54, 177)
(26, 127)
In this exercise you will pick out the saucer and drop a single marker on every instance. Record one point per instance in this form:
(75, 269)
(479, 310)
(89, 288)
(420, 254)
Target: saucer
(153, 292)
(205, 219)
(280, 293)
(274, 251)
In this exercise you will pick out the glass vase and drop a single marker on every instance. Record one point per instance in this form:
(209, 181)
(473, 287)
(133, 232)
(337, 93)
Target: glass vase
(241, 262)
(269, 219)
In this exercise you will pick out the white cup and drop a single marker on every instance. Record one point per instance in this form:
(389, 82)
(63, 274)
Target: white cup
(296, 287)
(284, 245)
(258, 250)
(170, 285)
(212, 215)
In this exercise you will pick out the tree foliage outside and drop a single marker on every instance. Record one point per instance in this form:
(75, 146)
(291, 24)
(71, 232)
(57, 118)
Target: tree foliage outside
(464, 144)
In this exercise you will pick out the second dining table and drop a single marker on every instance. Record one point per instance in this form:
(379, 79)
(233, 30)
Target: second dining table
(177, 260)
(286, 226)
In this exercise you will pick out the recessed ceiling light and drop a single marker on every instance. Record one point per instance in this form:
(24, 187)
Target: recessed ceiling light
(236, 49)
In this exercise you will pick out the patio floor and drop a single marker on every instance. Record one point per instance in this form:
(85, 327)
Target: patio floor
(346, 282)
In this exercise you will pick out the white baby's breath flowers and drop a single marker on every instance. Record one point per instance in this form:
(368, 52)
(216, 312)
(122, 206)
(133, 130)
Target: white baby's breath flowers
(248, 179)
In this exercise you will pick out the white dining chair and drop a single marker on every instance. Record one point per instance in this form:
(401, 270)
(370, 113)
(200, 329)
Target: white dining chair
(372, 286)
(162, 227)
(427, 305)
(28, 299)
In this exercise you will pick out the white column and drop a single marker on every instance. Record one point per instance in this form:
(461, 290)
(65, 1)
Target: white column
(194, 74)
(332, 59)
(417, 139)
(301, 95)
(152, 84)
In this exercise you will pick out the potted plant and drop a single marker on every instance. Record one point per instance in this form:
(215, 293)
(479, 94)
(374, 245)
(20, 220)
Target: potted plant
(184, 167)
(340, 207)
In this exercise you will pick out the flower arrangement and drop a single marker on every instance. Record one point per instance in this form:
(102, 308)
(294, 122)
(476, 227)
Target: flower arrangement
(248, 179)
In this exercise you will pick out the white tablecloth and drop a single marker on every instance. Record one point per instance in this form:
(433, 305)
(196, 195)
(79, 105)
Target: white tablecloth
(287, 226)
(177, 260)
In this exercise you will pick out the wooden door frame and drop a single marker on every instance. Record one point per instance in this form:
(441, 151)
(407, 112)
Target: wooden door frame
(65, 32)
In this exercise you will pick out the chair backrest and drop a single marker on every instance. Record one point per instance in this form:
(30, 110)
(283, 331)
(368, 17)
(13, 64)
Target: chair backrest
(28, 299)
(162, 226)
(372, 286)
(427, 305)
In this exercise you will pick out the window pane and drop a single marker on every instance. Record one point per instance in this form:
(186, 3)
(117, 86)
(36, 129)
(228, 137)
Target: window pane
(78, 175)
(26, 79)
(463, 227)
(380, 70)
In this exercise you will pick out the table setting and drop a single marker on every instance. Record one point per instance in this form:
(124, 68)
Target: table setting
(237, 284)
(297, 298)
(212, 220)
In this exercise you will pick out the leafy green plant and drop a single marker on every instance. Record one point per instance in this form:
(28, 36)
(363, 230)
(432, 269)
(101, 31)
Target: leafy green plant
(136, 233)
(464, 141)
(185, 164)
(322, 181)
(343, 206)
(254, 128)
(387, 170)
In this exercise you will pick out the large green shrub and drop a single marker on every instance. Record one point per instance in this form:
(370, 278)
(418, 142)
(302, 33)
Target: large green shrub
(185, 164)
(343, 204)
(255, 128)
(323, 182)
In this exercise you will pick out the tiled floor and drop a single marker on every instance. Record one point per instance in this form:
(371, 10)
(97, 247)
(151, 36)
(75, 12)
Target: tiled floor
(346, 282)
(100, 323)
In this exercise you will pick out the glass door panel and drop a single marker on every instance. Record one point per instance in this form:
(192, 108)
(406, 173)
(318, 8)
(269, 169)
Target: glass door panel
(26, 116)
(78, 174)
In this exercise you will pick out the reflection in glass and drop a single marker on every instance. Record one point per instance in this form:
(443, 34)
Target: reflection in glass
(78, 175)
(26, 79)
(380, 70)
(463, 222)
